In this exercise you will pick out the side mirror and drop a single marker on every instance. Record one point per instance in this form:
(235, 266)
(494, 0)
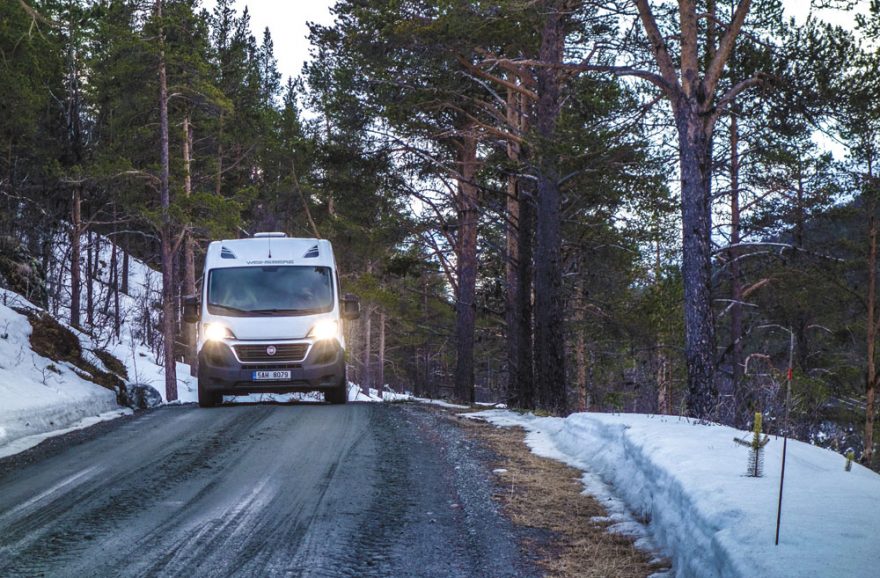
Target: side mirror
(351, 307)
(191, 308)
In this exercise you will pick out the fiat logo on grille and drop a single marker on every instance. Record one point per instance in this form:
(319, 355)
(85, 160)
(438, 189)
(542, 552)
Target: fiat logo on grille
(271, 350)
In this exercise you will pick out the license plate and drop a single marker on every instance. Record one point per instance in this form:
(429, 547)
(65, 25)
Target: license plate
(271, 375)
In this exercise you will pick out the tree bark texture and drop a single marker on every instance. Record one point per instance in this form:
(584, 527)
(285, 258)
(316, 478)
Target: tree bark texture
(114, 284)
(168, 321)
(366, 378)
(736, 288)
(90, 287)
(871, 329)
(518, 269)
(466, 249)
(380, 370)
(580, 348)
(695, 147)
(189, 263)
(549, 311)
(123, 285)
(525, 328)
(75, 254)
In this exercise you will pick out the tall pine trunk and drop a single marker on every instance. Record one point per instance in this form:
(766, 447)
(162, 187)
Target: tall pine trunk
(189, 264)
(380, 370)
(75, 253)
(695, 152)
(514, 310)
(126, 269)
(518, 267)
(526, 385)
(466, 307)
(696, 104)
(366, 378)
(549, 311)
(872, 321)
(871, 377)
(736, 288)
(218, 180)
(168, 321)
(90, 286)
(114, 281)
(580, 348)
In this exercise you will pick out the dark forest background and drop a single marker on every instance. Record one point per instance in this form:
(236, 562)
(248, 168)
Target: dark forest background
(561, 205)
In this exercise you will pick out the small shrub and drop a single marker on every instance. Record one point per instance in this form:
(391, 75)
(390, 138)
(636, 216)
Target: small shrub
(756, 445)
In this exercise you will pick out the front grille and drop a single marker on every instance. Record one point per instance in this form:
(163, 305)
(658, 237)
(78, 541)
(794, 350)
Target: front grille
(273, 366)
(283, 352)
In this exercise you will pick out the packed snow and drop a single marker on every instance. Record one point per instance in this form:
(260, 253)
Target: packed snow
(40, 398)
(38, 395)
(687, 482)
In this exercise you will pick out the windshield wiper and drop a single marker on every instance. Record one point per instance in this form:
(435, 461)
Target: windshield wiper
(268, 311)
(229, 308)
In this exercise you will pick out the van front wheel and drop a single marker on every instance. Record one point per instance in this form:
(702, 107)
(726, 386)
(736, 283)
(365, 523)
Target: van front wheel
(206, 398)
(338, 395)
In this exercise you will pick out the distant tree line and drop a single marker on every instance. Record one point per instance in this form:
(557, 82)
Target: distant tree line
(561, 204)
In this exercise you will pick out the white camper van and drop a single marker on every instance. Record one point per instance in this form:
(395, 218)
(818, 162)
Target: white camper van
(270, 319)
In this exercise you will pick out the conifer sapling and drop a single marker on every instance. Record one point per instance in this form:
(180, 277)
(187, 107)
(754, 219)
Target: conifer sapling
(756, 445)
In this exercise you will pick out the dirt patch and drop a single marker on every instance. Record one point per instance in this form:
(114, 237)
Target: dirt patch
(51, 339)
(112, 363)
(545, 494)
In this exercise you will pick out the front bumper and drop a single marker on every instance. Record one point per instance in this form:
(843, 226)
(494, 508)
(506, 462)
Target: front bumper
(220, 371)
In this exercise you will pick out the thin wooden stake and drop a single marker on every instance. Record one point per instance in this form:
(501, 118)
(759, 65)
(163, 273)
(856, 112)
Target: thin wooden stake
(785, 436)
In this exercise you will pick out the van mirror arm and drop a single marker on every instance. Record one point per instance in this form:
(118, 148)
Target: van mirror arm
(191, 308)
(351, 307)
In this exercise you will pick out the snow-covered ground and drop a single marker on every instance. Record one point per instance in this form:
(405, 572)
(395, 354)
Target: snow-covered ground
(40, 397)
(687, 482)
(37, 394)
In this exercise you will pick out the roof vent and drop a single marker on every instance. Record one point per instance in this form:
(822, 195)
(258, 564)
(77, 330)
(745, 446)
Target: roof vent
(275, 234)
(311, 253)
(225, 253)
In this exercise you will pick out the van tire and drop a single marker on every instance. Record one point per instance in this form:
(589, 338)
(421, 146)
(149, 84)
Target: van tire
(207, 399)
(338, 395)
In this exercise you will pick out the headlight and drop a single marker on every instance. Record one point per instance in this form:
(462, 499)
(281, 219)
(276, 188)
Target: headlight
(326, 329)
(217, 332)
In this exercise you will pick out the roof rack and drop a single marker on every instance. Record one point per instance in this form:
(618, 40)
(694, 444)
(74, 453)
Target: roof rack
(272, 235)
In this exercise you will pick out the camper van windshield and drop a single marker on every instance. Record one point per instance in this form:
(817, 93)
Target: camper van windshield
(270, 290)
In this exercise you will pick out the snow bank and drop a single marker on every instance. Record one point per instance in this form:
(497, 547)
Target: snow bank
(38, 395)
(25, 443)
(142, 368)
(688, 481)
(355, 394)
(441, 403)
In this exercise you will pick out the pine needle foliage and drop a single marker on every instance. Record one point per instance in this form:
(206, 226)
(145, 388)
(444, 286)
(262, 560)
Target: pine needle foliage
(756, 445)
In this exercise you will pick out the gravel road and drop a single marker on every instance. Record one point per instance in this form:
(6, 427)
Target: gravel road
(258, 490)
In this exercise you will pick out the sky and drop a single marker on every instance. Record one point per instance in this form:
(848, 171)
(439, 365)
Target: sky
(287, 23)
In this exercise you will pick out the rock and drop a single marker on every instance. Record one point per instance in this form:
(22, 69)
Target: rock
(142, 396)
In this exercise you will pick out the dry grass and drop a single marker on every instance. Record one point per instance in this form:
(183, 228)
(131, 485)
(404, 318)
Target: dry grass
(545, 494)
